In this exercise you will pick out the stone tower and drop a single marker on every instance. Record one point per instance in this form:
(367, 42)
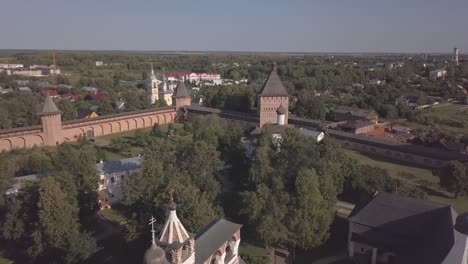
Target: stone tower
(455, 56)
(51, 119)
(181, 96)
(152, 88)
(272, 96)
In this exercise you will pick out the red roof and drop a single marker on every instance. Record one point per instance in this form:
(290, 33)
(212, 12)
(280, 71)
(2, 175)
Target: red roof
(97, 96)
(70, 97)
(49, 92)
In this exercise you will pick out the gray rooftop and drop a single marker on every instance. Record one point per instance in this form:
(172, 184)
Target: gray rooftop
(102, 168)
(417, 231)
(212, 237)
(119, 165)
(309, 133)
(49, 107)
(273, 85)
(181, 91)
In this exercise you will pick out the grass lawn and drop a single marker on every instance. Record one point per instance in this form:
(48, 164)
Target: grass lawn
(448, 118)
(432, 189)
(448, 111)
(113, 215)
(251, 250)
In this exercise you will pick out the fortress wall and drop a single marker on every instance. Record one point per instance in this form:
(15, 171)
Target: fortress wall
(394, 154)
(95, 127)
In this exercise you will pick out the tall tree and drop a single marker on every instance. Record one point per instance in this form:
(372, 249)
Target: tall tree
(44, 226)
(453, 177)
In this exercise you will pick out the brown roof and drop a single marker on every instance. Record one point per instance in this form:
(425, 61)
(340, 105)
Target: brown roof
(273, 85)
(181, 91)
(49, 107)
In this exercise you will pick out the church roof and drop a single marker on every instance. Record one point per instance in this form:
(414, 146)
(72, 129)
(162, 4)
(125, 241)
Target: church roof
(49, 107)
(173, 230)
(212, 237)
(181, 91)
(417, 231)
(273, 85)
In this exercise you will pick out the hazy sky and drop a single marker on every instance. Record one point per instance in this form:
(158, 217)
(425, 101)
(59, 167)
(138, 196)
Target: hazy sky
(236, 25)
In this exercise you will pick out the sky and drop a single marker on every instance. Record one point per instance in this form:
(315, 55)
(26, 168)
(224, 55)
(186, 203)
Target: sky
(236, 25)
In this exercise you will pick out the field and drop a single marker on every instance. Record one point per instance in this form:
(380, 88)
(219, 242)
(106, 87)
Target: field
(448, 118)
(421, 177)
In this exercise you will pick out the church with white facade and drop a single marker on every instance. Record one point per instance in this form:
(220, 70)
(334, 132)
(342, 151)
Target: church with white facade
(158, 89)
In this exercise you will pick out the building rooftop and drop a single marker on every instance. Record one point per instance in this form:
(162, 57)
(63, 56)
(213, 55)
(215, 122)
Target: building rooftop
(119, 165)
(417, 231)
(273, 85)
(210, 239)
(181, 91)
(49, 107)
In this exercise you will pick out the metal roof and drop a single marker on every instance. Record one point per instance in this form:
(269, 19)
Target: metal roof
(273, 85)
(416, 231)
(181, 91)
(49, 107)
(119, 165)
(212, 237)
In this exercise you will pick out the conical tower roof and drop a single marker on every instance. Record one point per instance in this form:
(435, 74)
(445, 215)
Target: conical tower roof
(273, 85)
(49, 107)
(173, 230)
(181, 91)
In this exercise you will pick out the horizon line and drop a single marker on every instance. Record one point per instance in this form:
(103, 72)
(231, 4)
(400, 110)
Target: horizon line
(225, 51)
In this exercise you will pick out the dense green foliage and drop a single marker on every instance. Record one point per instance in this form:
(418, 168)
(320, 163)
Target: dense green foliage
(453, 177)
(294, 189)
(44, 221)
(185, 163)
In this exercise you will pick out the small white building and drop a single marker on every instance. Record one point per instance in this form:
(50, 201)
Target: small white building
(376, 82)
(316, 135)
(437, 73)
(112, 176)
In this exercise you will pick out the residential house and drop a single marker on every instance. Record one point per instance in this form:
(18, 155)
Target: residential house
(112, 176)
(96, 96)
(437, 73)
(85, 113)
(90, 89)
(376, 82)
(50, 92)
(69, 97)
(349, 113)
(24, 89)
(357, 126)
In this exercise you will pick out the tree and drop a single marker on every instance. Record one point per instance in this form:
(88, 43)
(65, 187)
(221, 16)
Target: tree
(44, 226)
(312, 211)
(293, 189)
(310, 106)
(453, 177)
(160, 103)
(81, 164)
(185, 167)
(366, 180)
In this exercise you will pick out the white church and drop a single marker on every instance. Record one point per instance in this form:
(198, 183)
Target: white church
(158, 89)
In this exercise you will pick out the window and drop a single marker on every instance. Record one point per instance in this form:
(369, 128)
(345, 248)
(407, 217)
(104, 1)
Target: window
(112, 180)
